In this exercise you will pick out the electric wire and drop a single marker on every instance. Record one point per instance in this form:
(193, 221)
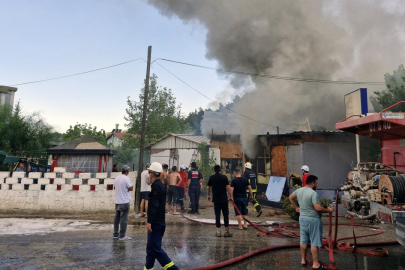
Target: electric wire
(247, 117)
(80, 73)
(271, 76)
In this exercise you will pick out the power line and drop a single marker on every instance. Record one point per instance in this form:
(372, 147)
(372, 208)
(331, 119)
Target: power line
(271, 76)
(80, 73)
(247, 117)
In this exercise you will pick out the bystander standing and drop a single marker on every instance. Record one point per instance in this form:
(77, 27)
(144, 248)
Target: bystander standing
(123, 188)
(220, 186)
(310, 210)
(145, 191)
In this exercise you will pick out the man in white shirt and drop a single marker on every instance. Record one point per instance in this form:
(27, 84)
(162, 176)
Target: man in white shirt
(145, 191)
(123, 188)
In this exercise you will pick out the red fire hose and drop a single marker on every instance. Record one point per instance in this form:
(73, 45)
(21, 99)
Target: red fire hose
(328, 244)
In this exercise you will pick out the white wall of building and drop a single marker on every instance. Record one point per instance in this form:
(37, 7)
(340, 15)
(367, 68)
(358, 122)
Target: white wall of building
(161, 157)
(114, 141)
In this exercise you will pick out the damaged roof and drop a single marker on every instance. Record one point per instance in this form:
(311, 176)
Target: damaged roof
(82, 145)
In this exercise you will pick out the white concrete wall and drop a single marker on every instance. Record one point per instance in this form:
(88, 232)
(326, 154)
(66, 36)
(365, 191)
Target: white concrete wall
(65, 200)
(185, 156)
(161, 157)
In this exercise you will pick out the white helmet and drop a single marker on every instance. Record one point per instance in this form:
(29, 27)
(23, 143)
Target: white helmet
(305, 168)
(183, 167)
(156, 167)
(248, 165)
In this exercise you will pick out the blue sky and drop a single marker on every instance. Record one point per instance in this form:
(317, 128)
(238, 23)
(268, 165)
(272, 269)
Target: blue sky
(44, 39)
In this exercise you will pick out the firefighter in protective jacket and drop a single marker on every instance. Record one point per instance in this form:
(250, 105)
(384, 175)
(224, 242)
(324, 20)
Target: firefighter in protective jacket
(250, 175)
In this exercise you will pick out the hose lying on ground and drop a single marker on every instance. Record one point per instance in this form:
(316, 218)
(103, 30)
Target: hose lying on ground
(328, 244)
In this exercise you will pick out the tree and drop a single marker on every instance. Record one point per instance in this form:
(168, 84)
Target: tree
(126, 152)
(79, 130)
(23, 135)
(205, 163)
(163, 115)
(395, 91)
(194, 119)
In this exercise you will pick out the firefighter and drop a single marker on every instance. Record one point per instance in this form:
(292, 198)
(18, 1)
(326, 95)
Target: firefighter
(156, 221)
(251, 177)
(305, 174)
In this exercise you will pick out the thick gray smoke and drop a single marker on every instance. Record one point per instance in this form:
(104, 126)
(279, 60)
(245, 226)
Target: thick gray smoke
(335, 40)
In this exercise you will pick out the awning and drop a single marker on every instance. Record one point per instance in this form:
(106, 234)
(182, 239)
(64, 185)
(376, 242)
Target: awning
(7, 158)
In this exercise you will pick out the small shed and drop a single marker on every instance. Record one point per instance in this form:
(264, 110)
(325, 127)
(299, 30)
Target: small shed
(84, 154)
(177, 149)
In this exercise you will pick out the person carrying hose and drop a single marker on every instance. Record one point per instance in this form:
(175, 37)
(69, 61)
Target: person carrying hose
(310, 210)
(156, 221)
(250, 175)
(238, 186)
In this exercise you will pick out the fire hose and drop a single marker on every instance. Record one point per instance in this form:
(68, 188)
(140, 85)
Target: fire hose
(328, 243)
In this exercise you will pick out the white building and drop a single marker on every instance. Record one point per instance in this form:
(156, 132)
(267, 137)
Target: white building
(178, 149)
(7, 95)
(117, 136)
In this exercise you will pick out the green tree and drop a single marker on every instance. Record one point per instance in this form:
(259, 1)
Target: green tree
(23, 135)
(194, 119)
(395, 91)
(205, 163)
(127, 152)
(163, 115)
(79, 130)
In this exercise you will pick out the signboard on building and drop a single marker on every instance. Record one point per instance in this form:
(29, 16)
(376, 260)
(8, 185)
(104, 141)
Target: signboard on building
(393, 116)
(356, 103)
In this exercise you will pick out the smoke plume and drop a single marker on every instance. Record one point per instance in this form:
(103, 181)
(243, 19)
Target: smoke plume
(335, 40)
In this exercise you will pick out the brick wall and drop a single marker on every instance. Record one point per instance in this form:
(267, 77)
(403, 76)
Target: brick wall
(59, 191)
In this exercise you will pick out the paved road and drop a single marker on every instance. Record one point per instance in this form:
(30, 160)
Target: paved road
(188, 244)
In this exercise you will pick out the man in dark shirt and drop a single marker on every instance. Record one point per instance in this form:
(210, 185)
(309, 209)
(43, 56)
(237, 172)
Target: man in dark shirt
(250, 175)
(220, 185)
(194, 182)
(238, 187)
(156, 221)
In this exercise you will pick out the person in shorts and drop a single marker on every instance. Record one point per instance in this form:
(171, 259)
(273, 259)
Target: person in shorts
(145, 191)
(310, 209)
(239, 185)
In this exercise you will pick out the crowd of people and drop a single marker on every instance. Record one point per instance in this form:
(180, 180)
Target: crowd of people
(162, 189)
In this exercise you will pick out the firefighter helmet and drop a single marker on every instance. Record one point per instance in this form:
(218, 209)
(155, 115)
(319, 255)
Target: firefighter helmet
(305, 168)
(156, 167)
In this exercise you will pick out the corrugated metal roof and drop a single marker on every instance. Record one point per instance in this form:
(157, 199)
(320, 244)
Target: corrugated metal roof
(178, 141)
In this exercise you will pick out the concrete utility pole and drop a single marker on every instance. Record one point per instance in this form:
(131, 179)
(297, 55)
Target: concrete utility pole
(141, 150)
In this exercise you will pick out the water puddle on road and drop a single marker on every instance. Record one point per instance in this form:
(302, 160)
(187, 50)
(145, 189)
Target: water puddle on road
(25, 226)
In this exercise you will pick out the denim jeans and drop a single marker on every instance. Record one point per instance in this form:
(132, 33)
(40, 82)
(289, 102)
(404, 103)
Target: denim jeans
(121, 219)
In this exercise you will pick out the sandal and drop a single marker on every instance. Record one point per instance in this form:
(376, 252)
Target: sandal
(320, 267)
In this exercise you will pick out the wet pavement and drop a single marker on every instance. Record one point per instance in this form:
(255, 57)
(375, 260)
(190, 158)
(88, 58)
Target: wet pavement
(188, 244)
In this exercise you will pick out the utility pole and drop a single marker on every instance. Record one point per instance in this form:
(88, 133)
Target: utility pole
(141, 150)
